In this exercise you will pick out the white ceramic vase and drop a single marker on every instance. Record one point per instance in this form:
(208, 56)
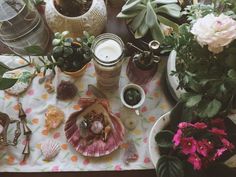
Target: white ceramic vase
(93, 21)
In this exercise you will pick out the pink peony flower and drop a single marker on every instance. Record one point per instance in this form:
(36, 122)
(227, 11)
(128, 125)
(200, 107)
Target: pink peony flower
(219, 153)
(195, 161)
(217, 131)
(177, 137)
(189, 145)
(203, 148)
(200, 125)
(227, 144)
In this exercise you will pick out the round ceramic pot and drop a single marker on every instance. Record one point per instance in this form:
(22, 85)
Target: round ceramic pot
(93, 21)
(76, 73)
(172, 80)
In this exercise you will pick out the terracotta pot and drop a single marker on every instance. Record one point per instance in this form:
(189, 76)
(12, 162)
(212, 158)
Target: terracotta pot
(93, 21)
(77, 73)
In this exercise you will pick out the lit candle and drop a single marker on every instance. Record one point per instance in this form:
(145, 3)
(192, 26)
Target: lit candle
(1, 128)
(108, 51)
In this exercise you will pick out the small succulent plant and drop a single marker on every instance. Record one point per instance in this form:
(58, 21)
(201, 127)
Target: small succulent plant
(71, 55)
(132, 96)
(153, 16)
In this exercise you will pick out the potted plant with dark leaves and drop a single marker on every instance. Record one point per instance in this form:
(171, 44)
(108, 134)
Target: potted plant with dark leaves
(76, 16)
(72, 56)
(145, 17)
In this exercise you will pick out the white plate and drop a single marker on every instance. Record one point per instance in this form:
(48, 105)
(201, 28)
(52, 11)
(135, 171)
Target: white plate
(160, 124)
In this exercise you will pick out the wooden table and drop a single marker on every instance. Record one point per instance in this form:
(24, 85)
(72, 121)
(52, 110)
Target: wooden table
(117, 27)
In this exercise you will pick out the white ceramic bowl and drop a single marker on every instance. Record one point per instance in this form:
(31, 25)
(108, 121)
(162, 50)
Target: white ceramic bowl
(160, 124)
(141, 91)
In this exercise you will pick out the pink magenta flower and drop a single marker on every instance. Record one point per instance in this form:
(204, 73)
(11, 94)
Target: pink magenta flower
(177, 137)
(219, 153)
(227, 144)
(200, 125)
(218, 131)
(195, 161)
(189, 145)
(183, 125)
(218, 122)
(203, 147)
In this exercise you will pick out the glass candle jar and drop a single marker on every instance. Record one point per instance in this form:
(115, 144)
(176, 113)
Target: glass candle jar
(108, 55)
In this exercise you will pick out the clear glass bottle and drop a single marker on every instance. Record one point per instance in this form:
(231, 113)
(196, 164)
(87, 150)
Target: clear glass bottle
(21, 26)
(108, 56)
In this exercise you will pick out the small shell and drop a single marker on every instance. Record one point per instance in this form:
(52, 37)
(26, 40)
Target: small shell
(50, 149)
(97, 127)
(53, 117)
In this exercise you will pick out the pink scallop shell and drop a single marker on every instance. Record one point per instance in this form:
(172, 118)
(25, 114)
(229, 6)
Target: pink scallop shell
(98, 148)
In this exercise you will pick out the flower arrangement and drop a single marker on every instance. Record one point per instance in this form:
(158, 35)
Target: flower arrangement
(205, 65)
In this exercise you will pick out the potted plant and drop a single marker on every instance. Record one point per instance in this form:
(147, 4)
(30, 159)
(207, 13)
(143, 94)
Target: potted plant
(76, 16)
(72, 56)
(204, 65)
(151, 17)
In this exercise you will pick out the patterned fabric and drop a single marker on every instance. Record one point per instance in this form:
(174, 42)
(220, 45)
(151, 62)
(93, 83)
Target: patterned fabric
(35, 102)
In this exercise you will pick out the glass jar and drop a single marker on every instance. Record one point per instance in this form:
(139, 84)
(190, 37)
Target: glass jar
(108, 56)
(22, 26)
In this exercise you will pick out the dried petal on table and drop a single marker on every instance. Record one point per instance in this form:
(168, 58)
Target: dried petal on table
(50, 149)
(53, 117)
(131, 153)
(66, 90)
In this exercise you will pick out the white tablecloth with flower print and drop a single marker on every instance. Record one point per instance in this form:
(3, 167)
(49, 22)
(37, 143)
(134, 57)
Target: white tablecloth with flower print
(35, 102)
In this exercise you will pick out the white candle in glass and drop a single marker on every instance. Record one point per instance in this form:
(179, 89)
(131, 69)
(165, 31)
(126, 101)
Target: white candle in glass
(108, 51)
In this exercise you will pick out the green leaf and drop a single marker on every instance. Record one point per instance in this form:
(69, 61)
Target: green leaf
(172, 10)
(64, 33)
(137, 21)
(67, 52)
(34, 50)
(212, 108)
(166, 1)
(168, 22)
(232, 74)
(6, 83)
(130, 6)
(141, 31)
(127, 16)
(193, 100)
(3, 68)
(151, 16)
(56, 42)
(157, 33)
(169, 166)
(164, 138)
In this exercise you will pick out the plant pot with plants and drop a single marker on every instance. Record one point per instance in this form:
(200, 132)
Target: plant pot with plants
(150, 20)
(76, 16)
(72, 56)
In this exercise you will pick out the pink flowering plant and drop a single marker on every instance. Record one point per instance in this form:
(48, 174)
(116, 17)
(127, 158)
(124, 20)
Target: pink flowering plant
(201, 143)
(195, 145)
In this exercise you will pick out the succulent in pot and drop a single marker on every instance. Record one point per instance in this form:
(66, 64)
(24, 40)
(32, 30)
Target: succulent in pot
(71, 55)
(156, 17)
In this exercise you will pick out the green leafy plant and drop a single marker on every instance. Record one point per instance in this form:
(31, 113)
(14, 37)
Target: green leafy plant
(209, 79)
(145, 16)
(72, 55)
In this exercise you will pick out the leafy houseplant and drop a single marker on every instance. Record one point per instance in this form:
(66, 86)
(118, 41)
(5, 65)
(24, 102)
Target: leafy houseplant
(152, 16)
(72, 56)
(205, 64)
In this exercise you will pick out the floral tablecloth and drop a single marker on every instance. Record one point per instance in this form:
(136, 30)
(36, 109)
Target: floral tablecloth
(35, 102)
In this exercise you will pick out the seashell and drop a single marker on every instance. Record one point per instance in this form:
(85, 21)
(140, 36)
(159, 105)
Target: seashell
(113, 129)
(97, 127)
(53, 117)
(50, 149)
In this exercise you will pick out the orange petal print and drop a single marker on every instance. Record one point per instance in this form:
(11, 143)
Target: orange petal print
(124, 145)
(7, 96)
(16, 107)
(77, 107)
(45, 132)
(10, 160)
(74, 158)
(38, 146)
(44, 96)
(35, 121)
(152, 119)
(64, 146)
(22, 62)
